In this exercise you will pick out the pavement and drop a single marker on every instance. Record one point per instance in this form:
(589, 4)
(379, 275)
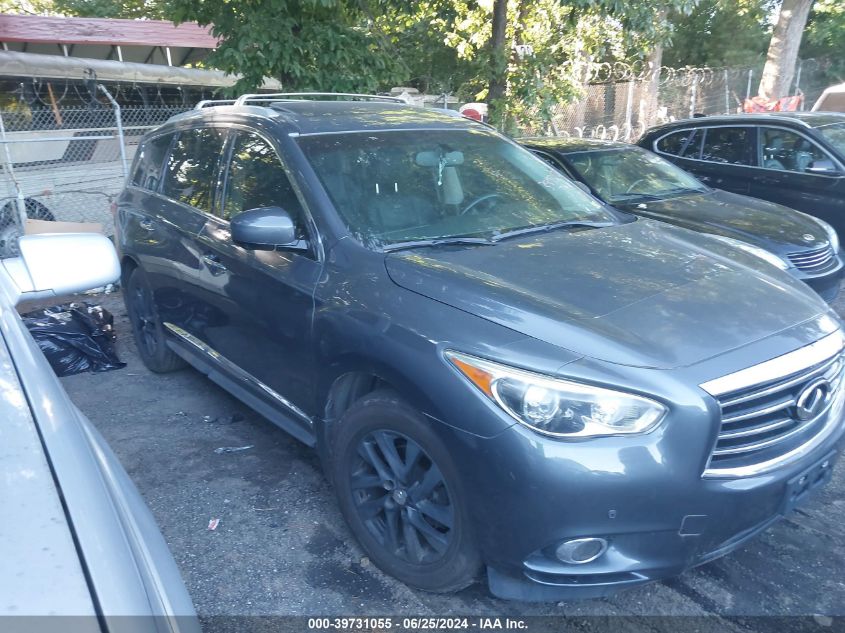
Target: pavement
(281, 546)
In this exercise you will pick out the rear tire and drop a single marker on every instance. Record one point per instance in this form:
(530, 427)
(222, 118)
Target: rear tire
(401, 495)
(147, 329)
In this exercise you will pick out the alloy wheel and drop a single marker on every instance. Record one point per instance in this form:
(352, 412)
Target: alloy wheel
(402, 498)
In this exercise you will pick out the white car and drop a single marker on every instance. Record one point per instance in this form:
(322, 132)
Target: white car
(75, 536)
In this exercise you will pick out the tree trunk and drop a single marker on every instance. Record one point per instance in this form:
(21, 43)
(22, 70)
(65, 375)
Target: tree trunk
(499, 54)
(783, 49)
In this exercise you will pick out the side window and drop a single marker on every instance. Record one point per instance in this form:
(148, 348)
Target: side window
(256, 179)
(149, 162)
(191, 171)
(685, 144)
(787, 151)
(731, 145)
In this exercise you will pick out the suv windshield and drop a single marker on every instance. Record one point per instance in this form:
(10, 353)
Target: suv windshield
(626, 173)
(835, 135)
(410, 186)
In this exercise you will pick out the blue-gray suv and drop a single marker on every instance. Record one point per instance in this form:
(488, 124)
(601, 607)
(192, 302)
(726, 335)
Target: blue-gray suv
(498, 370)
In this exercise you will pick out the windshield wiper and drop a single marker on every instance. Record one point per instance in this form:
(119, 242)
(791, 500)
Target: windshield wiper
(435, 241)
(544, 228)
(635, 195)
(666, 193)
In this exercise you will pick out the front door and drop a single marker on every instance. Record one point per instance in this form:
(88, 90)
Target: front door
(798, 173)
(264, 298)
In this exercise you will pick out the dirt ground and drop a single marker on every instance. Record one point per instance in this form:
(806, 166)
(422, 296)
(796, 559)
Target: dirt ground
(281, 546)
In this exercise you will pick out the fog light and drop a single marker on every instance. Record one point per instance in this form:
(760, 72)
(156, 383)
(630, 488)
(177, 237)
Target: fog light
(581, 550)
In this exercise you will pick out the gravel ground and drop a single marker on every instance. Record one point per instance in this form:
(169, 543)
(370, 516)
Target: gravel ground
(281, 547)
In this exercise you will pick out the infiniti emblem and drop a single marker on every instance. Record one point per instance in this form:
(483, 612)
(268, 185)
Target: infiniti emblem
(812, 399)
(808, 237)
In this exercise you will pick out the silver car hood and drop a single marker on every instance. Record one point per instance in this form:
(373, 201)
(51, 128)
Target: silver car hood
(41, 573)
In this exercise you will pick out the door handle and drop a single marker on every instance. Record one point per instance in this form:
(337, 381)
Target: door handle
(213, 263)
(147, 224)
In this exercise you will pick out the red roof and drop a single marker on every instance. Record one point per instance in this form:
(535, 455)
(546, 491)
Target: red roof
(107, 31)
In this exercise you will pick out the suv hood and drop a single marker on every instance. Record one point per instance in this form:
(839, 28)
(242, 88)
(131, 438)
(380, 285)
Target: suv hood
(765, 224)
(640, 294)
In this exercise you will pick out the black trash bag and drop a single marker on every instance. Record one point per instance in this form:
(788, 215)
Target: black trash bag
(75, 337)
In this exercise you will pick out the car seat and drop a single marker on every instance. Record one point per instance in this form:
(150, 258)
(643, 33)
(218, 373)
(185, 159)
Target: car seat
(803, 155)
(774, 147)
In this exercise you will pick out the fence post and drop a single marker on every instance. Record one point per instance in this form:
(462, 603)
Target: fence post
(21, 202)
(748, 88)
(120, 138)
(727, 94)
(693, 94)
(798, 83)
(629, 110)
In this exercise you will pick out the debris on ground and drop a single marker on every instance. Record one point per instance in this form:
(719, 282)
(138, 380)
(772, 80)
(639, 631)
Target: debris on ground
(212, 524)
(102, 290)
(75, 337)
(232, 449)
(235, 417)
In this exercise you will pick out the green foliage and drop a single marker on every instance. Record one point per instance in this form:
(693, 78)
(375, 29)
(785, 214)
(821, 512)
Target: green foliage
(327, 45)
(719, 33)
(148, 9)
(824, 36)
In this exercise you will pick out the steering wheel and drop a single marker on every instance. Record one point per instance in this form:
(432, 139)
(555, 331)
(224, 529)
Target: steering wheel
(634, 184)
(479, 200)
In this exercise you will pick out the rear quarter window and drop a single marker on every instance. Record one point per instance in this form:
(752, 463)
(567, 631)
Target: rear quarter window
(685, 144)
(149, 162)
(190, 176)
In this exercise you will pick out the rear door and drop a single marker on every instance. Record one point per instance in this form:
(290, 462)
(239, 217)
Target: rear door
(157, 220)
(264, 298)
(797, 172)
(728, 158)
(720, 156)
(174, 219)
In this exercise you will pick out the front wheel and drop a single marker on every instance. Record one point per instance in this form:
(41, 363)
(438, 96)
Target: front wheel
(401, 495)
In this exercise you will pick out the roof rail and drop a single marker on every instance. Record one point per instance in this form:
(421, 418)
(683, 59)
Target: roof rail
(213, 102)
(316, 96)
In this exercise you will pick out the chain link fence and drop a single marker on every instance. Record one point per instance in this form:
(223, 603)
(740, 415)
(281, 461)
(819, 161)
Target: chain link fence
(620, 101)
(68, 164)
(64, 152)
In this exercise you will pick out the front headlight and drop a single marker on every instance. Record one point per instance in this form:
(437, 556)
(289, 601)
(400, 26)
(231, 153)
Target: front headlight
(558, 407)
(754, 250)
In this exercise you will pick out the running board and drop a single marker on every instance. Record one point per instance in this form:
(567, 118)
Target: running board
(242, 385)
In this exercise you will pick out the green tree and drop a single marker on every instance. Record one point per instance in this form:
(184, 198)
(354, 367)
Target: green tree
(719, 33)
(326, 45)
(147, 9)
(825, 37)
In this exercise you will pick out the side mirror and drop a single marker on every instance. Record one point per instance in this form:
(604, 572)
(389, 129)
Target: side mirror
(51, 265)
(265, 228)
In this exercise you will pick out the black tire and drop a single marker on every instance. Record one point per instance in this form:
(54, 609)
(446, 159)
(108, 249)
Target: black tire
(410, 518)
(150, 338)
(9, 228)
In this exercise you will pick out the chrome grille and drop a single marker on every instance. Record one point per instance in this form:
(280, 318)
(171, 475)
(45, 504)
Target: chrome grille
(814, 261)
(761, 422)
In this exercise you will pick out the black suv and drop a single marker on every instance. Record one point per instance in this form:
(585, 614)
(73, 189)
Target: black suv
(496, 368)
(640, 182)
(796, 159)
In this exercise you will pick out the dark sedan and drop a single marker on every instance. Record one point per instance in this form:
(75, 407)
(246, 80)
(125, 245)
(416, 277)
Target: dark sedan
(638, 181)
(793, 158)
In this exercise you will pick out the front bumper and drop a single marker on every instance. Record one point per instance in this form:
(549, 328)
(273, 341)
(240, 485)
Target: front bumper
(827, 285)
(658, 514)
